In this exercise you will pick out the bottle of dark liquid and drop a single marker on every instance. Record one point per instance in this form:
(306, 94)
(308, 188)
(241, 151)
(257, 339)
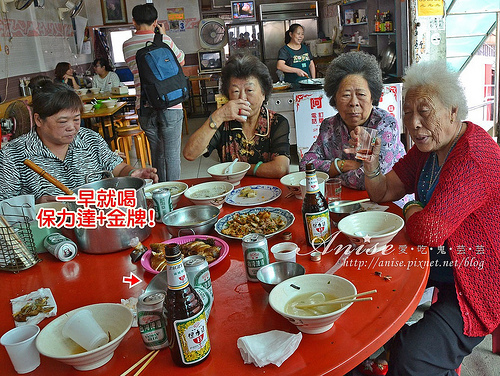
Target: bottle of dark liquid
(186, 321)
(315, 211)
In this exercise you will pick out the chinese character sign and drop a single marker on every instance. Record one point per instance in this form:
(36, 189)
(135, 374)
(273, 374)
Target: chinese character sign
(311, 108)
(390, 100)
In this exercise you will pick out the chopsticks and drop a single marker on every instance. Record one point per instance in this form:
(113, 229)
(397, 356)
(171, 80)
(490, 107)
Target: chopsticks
(348, 203)
(44, 174)
(344, 299)
(149, 358)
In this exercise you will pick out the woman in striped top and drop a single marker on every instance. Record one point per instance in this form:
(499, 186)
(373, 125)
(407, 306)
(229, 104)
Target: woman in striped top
(59, 146)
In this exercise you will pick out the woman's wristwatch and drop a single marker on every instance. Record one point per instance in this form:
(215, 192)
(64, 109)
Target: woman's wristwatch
(212, 124)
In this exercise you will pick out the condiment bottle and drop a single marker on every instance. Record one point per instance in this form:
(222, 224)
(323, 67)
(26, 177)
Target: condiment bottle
(315, 211)
(377, 21)
(186, 321)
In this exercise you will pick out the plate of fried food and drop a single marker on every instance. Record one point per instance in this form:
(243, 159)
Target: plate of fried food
(212, 248)
(263, 220)
(253, 195)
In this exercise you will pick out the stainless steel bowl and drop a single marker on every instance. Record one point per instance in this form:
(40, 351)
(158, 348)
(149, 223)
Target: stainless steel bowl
(337, 213)
(275, 273)
(190, 220)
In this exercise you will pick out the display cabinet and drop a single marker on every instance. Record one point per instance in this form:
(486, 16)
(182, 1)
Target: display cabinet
(373, 27)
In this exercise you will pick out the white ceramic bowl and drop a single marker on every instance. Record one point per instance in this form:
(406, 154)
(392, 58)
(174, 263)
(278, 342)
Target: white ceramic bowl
(109, 102)
(177, 188)
(113, 318)
(239, 170)
(95, 90)
(292, 181)
(359, 228)
(211, 193)
(87, 107)
(311, 283)
(82, 91)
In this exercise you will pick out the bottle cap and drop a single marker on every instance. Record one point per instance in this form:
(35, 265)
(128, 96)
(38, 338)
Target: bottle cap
(316, 256)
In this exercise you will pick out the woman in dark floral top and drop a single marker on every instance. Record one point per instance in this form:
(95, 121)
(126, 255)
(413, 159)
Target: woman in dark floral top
(243, 128)
(353, 83)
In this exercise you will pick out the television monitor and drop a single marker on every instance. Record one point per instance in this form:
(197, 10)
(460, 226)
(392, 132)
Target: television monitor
(210, 61)
(243, 11)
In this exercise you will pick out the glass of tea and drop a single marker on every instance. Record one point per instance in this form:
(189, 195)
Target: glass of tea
(366, 140)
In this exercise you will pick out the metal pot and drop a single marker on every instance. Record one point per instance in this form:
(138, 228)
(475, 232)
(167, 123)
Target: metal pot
(388, 58)
(191, 220)
(106, 240)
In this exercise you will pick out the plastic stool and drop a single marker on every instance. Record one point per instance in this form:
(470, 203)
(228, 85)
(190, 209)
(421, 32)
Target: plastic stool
(125, 137)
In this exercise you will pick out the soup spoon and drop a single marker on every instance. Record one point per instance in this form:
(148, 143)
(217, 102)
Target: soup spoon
(229, 169)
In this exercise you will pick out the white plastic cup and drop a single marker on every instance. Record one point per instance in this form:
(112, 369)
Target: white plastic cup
(286, 251)
(20, 345)
(84, 330)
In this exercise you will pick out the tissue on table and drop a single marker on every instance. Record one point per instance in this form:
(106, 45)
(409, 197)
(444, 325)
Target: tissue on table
(274, 347)
(46, 306)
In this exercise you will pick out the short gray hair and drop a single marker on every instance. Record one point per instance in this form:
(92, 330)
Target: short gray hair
(244, 66)
(354, 62)
(444, 82)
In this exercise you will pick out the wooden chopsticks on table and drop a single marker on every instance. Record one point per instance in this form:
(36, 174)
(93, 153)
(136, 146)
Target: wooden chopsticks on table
(344, 299)
(149, 357)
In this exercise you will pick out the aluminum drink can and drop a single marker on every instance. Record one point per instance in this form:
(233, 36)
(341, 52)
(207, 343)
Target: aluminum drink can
(60, 246)
(151, 319)
(199, 277)
(163, 202)
(255, 254)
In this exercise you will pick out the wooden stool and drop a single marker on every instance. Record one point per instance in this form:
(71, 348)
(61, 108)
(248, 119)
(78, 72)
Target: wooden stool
(125, 137)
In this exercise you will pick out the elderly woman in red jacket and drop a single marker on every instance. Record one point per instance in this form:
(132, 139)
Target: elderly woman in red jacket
(454, 171)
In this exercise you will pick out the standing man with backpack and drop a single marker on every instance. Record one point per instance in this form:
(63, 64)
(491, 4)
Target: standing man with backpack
(163, 127)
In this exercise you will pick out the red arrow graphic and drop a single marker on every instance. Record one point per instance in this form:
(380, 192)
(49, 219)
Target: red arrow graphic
(132, 280)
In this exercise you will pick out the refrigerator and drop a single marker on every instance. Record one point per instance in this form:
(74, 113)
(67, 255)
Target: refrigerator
(275, 20)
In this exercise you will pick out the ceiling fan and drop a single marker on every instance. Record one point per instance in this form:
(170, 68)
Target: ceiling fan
(70, 7)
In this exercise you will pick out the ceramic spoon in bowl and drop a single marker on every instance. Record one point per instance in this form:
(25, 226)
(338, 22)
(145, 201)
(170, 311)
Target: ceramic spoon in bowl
(229, 169)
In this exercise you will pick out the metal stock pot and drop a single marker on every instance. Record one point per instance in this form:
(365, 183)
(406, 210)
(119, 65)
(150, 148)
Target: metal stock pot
(106, 240)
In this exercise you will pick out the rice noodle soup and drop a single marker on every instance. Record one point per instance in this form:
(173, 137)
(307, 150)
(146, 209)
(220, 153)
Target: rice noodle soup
(312, 298)
(209, 192)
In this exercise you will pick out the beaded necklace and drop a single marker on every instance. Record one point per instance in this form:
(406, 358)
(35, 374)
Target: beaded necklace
(435, 172)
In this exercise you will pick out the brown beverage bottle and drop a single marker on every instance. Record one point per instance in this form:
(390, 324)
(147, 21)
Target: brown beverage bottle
(315, 211)
(186, 321)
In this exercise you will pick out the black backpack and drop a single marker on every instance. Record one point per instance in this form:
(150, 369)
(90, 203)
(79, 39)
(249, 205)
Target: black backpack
(163, 83)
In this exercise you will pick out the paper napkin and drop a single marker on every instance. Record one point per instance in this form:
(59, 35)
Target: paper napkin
(274, 347)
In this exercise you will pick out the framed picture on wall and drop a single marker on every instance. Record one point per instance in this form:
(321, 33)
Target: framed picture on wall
(113, 12)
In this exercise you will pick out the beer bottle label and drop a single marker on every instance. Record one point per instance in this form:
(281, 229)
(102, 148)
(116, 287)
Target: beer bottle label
(255, 258)
(312, 185)
(176, 275)
(192, 337)
(318, 226)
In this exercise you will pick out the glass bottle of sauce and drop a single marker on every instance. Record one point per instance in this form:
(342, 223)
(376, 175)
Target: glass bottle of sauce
(186, 321)
(315, 211)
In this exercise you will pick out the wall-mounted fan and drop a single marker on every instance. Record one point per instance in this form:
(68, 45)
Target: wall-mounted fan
(212, 33)
(20, 115)
(70, 7)
(3, 3)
